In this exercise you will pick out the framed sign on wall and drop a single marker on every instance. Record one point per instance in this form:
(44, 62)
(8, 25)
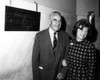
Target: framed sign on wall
(17, 19)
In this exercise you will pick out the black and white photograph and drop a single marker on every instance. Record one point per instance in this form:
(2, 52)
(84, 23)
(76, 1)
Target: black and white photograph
(49, 39)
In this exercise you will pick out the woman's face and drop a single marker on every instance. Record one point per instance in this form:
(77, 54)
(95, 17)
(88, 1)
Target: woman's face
(81, 34)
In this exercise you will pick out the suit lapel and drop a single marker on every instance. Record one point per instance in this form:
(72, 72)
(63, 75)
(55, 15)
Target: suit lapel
(59, 43)
(58, 53)
(49, 41)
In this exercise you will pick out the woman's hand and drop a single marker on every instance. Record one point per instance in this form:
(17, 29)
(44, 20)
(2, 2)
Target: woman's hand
(64, 63)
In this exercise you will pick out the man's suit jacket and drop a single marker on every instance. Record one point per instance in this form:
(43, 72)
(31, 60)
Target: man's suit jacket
(45, 64)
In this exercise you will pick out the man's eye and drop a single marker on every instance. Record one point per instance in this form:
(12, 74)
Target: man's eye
(54, 19)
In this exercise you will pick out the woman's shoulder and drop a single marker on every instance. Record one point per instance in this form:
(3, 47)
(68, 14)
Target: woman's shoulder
(90, 44)
(72, 41)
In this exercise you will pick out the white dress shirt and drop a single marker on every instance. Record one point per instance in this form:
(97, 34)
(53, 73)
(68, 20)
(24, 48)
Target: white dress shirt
(51, 33)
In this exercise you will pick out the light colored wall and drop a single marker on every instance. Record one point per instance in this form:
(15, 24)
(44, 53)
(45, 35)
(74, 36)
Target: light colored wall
(68, 6)
(84, 6)
(16, 46)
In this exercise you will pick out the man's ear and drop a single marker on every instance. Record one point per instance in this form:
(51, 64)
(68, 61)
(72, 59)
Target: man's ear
(49, 22)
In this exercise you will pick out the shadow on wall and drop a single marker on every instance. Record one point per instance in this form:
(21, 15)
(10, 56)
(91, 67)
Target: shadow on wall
(64, 24)
(98, 65)
(93, 35)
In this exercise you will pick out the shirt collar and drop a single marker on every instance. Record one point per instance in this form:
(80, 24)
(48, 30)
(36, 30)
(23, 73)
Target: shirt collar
(51, 31)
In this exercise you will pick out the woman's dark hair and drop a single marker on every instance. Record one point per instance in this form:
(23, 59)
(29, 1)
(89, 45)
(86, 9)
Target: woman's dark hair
(84, 23)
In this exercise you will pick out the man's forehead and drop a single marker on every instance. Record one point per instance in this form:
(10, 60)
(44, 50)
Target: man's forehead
(56, 16)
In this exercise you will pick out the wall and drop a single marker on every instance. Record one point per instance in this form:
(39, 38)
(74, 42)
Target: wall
(69, 6)
(16, 46)
(84, 6)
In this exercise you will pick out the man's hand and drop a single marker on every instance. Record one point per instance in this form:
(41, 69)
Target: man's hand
(60, 76)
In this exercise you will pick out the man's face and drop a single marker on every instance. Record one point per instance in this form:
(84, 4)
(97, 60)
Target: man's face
(55, 22)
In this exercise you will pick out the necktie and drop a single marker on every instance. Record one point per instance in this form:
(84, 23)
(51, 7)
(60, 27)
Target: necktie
(54, 42)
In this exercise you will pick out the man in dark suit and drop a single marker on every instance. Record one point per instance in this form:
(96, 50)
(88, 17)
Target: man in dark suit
(47, 53)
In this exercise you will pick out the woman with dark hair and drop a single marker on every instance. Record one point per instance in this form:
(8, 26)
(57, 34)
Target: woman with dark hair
(81, 54)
